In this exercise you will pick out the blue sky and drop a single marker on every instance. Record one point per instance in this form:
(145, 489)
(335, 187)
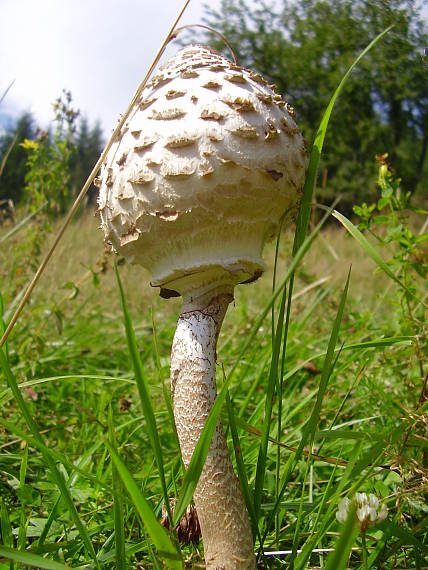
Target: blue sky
(98, 49)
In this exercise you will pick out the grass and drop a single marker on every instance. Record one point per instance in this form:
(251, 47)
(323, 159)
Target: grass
(323, 401)
(71, 376)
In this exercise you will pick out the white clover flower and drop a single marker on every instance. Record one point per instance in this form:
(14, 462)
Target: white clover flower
(363, 513)
(373, 501)
(360, 499)
(372, 514)
(343, 510)
(369, 510)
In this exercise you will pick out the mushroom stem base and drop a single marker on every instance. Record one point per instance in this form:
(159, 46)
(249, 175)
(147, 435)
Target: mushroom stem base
(223, 517)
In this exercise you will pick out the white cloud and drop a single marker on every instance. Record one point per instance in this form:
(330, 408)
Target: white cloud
(99, 50)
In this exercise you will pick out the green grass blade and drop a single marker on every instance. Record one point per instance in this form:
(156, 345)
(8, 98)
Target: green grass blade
(3, 325)
(144, 394)
(23, 518)
(369, 249)
(303, 218)
(280, 385)
(310, 428)
(379, 342)
(5, 526)
(240, 466)
(270, 394)
(54, 455)
(74, 474)
(298, 524)
(30, 559)
(275, 270)
(118, 516)
(57, 476)
(166, 395)
(306, 202)
(338, 560)
(6, 530)
(323, 502)
(156, 531)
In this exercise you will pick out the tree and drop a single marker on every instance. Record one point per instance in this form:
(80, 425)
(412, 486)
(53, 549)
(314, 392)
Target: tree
(88, 145)
(47, 179)
(49, 165)
(12, 180)
(305, 49)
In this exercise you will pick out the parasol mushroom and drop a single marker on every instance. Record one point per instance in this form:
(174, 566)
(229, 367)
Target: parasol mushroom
(200, 177)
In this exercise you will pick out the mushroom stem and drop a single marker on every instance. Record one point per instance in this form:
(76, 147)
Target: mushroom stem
(223, 517)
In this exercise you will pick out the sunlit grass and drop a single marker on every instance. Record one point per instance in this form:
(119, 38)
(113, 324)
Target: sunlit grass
(88, 451)
(72, 378)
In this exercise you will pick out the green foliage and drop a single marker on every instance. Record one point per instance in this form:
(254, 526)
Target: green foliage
(48, 162)
(387, 220)
(357, 445)
(12, 178)
(305, 47)
(45, 166)
(87, 147)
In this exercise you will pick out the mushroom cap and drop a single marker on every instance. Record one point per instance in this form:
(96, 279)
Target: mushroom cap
(208, 163)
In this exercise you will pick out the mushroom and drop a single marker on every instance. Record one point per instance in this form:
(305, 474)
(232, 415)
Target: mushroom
(200, 177)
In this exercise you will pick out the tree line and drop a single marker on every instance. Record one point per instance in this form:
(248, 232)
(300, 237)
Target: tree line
(305, 47)
(49, 164)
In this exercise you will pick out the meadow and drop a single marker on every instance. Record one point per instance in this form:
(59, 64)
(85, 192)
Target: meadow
(69, 355)
(322, 392)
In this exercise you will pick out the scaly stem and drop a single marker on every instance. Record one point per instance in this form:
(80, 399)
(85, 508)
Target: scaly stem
(223, 517)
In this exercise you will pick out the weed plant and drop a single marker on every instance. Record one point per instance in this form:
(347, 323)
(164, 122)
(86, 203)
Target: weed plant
(326, 400)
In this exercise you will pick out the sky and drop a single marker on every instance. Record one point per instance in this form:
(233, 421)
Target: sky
(97, 49)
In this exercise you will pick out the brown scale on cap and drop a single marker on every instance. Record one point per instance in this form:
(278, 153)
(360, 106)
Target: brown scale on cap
(245, 132)
(212, 85)
(290, 110)
(122, 159)
(167, 114)
(210, 114)
(109, 178)
(181, 140)
(142, 176)
(235, 78)
(258, 78)
(173, 94)
(145, 103)
(241, 104)
(189, 74)
(265, 97)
